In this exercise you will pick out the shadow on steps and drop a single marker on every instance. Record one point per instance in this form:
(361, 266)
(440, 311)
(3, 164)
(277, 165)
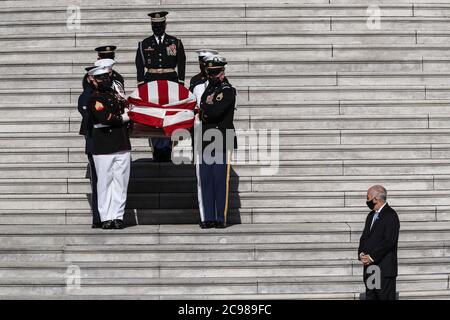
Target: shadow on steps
(165, 193)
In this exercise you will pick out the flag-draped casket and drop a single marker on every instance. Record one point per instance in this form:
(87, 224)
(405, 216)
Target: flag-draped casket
(162, 104)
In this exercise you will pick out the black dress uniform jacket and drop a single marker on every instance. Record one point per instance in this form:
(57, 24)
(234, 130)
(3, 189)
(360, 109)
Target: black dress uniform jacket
(381, 242)
(217, 111)
(106, 109)
(199, 78)
(151, 55)
(86, 120)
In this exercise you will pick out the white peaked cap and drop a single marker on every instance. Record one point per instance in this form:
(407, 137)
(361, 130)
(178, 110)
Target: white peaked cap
(105, 63)
(206, 52)
(99, 70)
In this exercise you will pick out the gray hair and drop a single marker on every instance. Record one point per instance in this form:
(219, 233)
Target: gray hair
(379, 191)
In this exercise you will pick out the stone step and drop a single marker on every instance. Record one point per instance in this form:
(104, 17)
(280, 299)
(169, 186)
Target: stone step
(318, 251)
(302, 252)
(49, 3)
(310, 152)
(243, 79)
(148, 169)
(180, 286)
(256, 94)
(290, 138)
(209, 269)
(241, 38)
(426, 295)
(154, 3)
(140, 24)
(232, 52)
(21, 235)
(265, 108)
(253, 52)
(189, 234)
(243, 123)
(406, 295)
(232, 9)
(139, 185)
(276, 199)
(240, 215)
(280, 24)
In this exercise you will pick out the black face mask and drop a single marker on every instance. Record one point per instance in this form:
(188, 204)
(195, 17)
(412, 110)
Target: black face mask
(159, 29)
(370, 204)
(214, 80)
(105, 83)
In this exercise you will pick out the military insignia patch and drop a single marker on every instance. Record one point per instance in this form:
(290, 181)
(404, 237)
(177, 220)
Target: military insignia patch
(172, 50)
(209, 99)
(99, 106)
(219, 97)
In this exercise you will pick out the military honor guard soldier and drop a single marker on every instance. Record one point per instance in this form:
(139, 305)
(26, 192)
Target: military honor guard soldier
(216, 113)
(107, 52)
(86, 130)
(111, 148)
(201, 77)
(156, 59)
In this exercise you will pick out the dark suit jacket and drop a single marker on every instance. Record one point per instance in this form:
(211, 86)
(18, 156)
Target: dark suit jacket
(381, 242)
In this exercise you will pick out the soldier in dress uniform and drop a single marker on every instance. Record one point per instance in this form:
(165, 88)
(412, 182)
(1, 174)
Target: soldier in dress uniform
(86, 130)
(110, 148)
(216, 114)
(107, 52)
(116, 84)
(201, 77)
(156, 59)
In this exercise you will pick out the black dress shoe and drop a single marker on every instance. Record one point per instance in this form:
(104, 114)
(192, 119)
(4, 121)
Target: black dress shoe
(206, 224)
(107, 224)
(220, 225)
(97, 225)
(117, 224)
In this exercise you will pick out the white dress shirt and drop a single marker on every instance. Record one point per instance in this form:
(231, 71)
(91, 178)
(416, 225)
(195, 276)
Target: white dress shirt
(162, 38)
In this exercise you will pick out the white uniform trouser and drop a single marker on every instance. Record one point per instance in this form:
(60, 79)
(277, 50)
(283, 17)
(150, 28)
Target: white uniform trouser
(113, 172)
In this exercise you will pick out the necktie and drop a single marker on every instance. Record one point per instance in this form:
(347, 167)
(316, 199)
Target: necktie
(375, 217)
(159, 40)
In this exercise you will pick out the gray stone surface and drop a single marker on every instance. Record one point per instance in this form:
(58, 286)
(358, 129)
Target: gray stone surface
(353, 106)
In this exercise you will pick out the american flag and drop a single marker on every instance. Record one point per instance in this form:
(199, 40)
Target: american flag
(163, 104)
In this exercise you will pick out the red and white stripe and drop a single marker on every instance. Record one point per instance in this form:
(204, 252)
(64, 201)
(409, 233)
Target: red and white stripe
(163, 104)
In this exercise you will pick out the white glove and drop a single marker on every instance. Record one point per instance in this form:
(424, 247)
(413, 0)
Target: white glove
(125, 117)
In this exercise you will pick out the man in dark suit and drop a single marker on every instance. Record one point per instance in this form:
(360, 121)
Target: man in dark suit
(378, 245)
